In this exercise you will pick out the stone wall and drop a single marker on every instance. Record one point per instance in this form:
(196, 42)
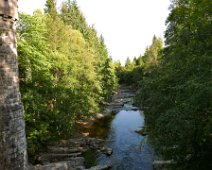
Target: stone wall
(12, 126)
(7, 8)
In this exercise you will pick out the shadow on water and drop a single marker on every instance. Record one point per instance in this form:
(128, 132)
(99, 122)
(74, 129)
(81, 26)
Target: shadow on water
(90, 158)
(100, 128)
(130, 150)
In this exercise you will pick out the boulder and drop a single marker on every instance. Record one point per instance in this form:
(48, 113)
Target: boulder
(65, 150)
(99, 116)
(85, 134)
(109, 152)
(65, 165)
(54, 157)
(78, 161)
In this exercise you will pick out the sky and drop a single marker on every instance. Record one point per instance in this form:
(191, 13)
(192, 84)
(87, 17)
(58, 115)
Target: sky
(127, 26)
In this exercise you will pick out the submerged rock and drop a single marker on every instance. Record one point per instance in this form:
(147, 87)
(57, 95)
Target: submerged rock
(142, 131)
(162, 164)
(107, 151)
(130, 107)
(100, 167)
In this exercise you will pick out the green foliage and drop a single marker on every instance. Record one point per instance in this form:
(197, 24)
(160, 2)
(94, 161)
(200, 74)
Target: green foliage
(72, 16)
(174, 86)
(152, 53)
(64, 74)
(176, 92)
(51, 8)
(132, 72)
(109, 80)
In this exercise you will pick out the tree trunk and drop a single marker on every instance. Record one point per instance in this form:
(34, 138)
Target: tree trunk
(12, 126)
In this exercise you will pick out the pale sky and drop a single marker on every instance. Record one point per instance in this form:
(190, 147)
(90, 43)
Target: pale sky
(127, 26)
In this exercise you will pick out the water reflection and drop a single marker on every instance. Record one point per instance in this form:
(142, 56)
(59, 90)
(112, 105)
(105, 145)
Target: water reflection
(126, 144)
(101, 128)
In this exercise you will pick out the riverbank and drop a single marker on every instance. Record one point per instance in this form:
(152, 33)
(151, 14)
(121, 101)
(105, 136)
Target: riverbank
(70, 154)
(90, 138)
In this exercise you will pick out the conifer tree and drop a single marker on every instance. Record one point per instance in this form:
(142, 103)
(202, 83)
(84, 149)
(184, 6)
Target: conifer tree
(65, 72)
(50, 8)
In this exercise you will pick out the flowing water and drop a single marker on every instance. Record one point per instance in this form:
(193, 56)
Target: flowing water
(130, 150)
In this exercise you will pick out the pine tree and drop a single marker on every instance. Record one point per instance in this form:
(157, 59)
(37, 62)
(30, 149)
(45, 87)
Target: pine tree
(51, 8)
(152, 53)
(65, 72)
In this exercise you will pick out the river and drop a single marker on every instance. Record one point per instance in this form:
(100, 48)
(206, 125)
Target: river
(131, 151)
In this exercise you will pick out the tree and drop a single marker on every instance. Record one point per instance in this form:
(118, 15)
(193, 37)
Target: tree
(51, 8)
(152, 53)
(12, 129)
(65, 74)
(35, 77)
(109, 80)
(128, 62)
(176, 93)
(72, 15)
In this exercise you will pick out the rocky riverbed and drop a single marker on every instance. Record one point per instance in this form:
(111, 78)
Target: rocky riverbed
(95, 147)
(70, 154)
